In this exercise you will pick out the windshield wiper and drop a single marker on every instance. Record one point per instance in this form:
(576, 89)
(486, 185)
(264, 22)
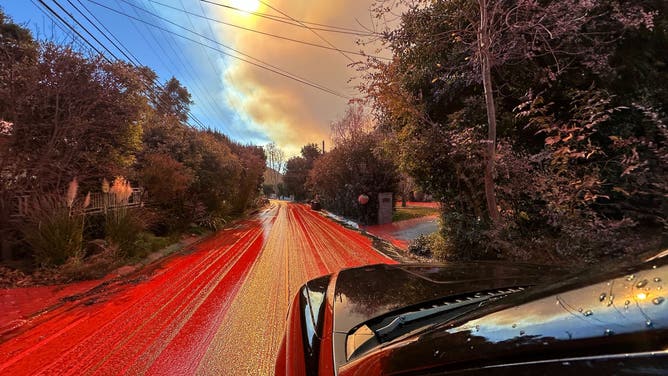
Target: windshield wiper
(413, 316)
(387, 328)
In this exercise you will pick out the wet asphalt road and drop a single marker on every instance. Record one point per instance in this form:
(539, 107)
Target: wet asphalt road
(216, 310)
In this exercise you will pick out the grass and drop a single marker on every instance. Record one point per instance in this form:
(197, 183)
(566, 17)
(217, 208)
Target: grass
(148, 243)
(402, 214)
(52, 231)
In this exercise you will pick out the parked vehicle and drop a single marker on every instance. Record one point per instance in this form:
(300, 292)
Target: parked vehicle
(479, 318)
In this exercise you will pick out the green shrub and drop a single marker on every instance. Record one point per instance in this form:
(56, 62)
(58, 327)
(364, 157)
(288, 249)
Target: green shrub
(430, 245)
(52, 231)
(147, 243)
(123, 227)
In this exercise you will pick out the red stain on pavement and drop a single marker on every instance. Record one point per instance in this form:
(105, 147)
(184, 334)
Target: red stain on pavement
(431, 204)
(19, 303)
(398, 233)
(163, 319)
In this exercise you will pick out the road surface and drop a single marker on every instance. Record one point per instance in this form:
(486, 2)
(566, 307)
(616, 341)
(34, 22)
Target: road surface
(218, 309)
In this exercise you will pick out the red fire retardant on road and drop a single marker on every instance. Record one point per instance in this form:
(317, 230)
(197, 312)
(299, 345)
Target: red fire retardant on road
(219, 309)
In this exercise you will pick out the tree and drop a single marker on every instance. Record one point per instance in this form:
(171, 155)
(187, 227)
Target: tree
(355, 166)
(167, 183)
(351, 169)
(297, 170)
(354, 123)
(311, 152)
(72, 116)
(172, 99)
(523, 63)
(253, 163)
(296, 173)
(276, 163)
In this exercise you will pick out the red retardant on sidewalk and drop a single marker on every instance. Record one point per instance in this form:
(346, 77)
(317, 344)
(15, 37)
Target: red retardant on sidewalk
(431, 204)
(401, 233)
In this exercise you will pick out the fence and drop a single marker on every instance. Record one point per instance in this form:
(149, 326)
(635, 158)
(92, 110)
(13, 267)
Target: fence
(99, 202)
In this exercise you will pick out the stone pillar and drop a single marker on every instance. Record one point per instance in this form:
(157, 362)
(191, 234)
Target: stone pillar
(385, 208)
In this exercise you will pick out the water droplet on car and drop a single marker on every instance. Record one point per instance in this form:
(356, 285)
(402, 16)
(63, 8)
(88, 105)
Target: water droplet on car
(436, 352)
(522, 332)
(657, 279)
(609, 332)
(580, 309)
(514, 325)
(641, 284)
(610, 300)
(601, 297)
(631, 277)
(468, 339)
(658, 300)
(477, 328)
(588, 312)
(649, 323)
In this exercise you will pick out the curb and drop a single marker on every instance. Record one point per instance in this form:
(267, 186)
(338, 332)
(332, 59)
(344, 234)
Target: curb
(387, 248)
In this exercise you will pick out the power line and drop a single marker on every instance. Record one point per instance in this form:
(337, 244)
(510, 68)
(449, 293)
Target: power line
(206, 100)
(262, 32)
(192, 116)
(72, 28)
(215, 67)
(127, 53)
(289, 21)
(60, 26)
(89, 43)
(266, 65)
(311, 29)
(258, 62)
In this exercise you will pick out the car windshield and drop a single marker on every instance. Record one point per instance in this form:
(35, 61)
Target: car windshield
(399, 323)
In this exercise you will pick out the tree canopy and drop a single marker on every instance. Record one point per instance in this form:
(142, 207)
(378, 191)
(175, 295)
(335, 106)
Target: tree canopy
(579, 165)
(70, 117)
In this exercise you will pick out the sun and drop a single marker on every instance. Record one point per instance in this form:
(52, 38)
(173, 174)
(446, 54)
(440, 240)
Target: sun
(246, 5)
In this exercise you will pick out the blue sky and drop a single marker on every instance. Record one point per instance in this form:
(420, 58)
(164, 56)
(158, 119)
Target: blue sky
(250, 104)
(199, 69)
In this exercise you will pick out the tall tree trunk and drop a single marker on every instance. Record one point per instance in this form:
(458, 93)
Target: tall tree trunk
(484, 42)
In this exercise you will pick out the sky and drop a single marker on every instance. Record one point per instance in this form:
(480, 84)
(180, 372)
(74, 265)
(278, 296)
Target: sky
(192, 40)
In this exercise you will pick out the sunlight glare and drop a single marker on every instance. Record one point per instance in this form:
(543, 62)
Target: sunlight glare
(246, 5)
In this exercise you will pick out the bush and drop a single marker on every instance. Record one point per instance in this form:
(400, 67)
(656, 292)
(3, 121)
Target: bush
(420, 246)
(147, 243)
(123, 227)
(431, 245)
(52, 231)
(465, 237)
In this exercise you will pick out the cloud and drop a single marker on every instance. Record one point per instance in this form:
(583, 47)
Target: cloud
(290, 113)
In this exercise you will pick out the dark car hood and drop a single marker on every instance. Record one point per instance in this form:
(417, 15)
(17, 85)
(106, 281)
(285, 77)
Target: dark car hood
(372, 291)
(598, 314)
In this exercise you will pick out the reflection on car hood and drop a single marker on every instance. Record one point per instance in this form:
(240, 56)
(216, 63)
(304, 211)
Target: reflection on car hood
(591, 316)
(368, 292)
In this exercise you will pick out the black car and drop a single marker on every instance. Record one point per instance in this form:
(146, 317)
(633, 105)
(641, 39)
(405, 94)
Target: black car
(480, 318)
